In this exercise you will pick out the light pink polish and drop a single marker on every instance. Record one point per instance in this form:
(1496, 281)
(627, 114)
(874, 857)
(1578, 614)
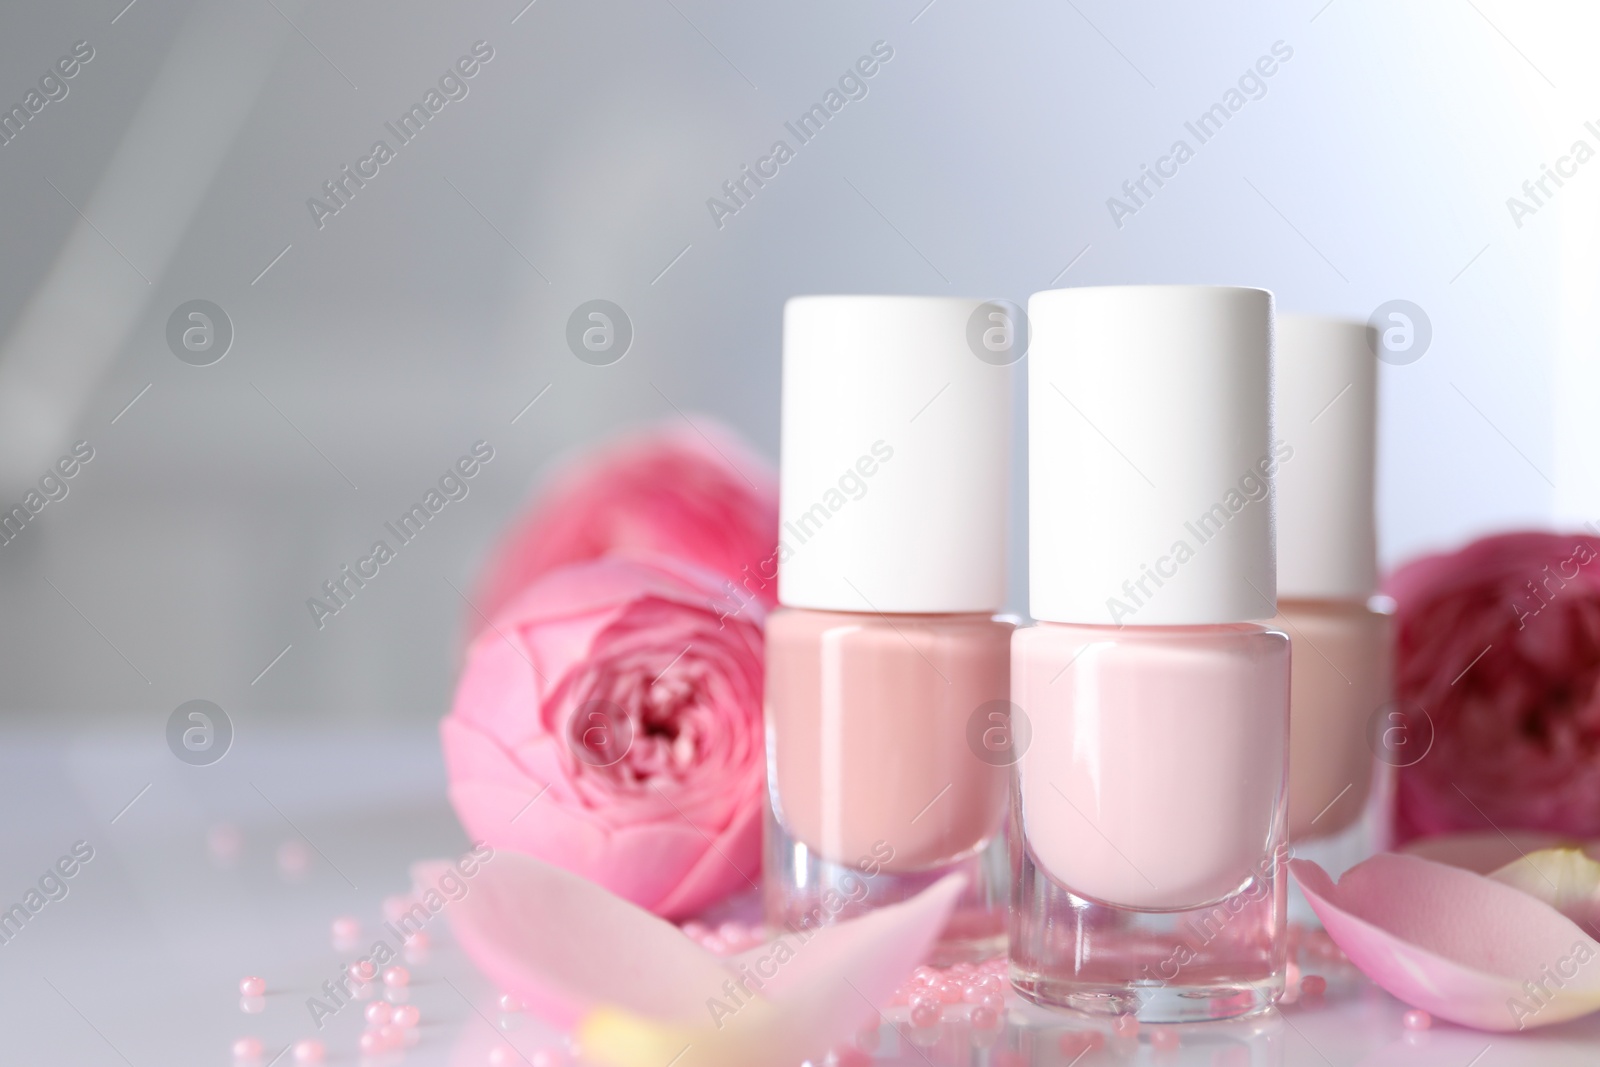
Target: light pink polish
(888, 681)
(1327, 574)
(1148, 877)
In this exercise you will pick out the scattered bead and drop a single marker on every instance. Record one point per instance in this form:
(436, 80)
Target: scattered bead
(1126, 1026)
(848, 1056)
(509, 1003)
(406, 1016)
(225, 842)
(247, 1048)
(309, 1050)
(995, 1002)
(985, 1018)
(391, 1035)
(924, 1012)
(396, 976)
(293, 857)
(252, 986)
(1416, 1019)
(418, 940)
(1164, 1038)
(394, 907)
(346, 930)
(1075, 1043)
(363, 970)
(1313, 985)
(378, 1013)
(370, 1042)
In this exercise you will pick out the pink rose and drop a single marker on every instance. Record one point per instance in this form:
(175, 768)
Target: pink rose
(609, 721)
(1499, 644)
(671, 491)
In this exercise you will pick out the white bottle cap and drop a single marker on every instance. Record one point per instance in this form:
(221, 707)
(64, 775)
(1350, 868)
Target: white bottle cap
(895, 441)
(1150, 455)
(1327, 385)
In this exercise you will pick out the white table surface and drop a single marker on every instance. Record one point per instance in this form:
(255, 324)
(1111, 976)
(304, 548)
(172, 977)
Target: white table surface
(139, 964)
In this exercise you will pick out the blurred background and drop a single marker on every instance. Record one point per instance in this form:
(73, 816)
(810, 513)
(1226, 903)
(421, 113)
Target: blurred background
(371, 346)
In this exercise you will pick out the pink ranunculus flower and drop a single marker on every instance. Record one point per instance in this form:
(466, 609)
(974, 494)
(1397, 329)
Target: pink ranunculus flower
(1499, 644)
(696, 493)
(608, 721)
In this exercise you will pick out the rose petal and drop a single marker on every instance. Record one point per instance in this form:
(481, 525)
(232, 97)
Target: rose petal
(562, 944)
(1480, 852)
(1564, 878)
(816, 998)
(1456, 944)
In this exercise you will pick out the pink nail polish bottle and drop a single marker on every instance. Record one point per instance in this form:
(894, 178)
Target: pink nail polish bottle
(887, 671)
(1327, 581)
(1150, 806)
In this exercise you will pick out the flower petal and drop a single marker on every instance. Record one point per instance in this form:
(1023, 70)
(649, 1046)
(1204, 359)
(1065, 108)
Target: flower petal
(1483, 852)
(563, 944)
(819, 993)
(1567, 879)
(1463, 947)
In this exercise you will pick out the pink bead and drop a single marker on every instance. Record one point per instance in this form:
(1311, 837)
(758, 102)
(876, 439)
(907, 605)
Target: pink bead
(391, 1035)
(695, 930)
(850, 1056)
(993, 1001)
(950, 993)
(1416, 1019)
(1164, 1038)
(225, 842)
(924, 1012)
(346, 928)
(733, 933)
(309, 1050)
(545, 1057)
(924, 975)
(252, 986)
(396, 976)
(1075, 1043)
(973, 993)
(363, 970)
(985, 1018)
(247, 1048)
(509, 1003)
(379, 1013)
(1125, 1026)
(1313, 985)
(502, 1056)
(715, 944)
(418, 940)
(371, 1042)
(406, 1016)
(293, 857)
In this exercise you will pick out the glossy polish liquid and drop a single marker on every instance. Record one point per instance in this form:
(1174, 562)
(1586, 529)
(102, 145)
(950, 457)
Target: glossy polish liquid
(876, 791)
(1341, 679)
(1151, 811)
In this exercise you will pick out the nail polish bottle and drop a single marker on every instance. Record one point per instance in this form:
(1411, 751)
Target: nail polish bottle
(1150, 806)
(887, 671)
(1326, 411)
